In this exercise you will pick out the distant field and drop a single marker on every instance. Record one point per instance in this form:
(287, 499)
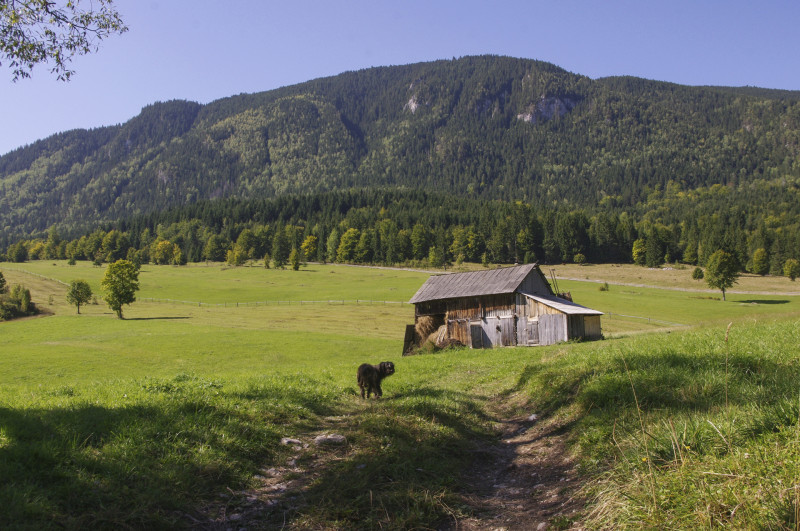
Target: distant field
(628, 308)
(679, 277)
(217, 283)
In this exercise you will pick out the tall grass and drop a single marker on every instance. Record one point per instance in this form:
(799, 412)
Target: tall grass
(720, 445)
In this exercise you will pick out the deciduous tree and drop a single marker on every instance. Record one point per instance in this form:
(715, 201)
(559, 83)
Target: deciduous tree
(309, 247)
(791, 269)
(722, 271)
(347, 245)
(78, 293)
(120, 283)
(53, 32)
(760, 261)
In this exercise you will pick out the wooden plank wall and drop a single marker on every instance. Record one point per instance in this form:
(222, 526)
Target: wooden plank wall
(458, 329)
(552, 329)
(535, 323)
(592, 327)
(471, 308)
(535, 283)
(499, 331)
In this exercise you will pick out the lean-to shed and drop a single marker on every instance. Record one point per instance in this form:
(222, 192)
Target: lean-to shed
(499, 307)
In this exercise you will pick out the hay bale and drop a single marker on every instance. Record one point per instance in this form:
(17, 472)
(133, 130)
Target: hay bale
(439, 335)
(424, 326)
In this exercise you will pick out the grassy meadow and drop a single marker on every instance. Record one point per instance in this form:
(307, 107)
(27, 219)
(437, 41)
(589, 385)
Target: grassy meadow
(171, 417)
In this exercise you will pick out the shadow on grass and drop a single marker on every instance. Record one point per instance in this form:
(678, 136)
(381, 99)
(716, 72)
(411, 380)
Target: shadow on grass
(767, 301)
(669, 381)
(170, 318)
(409, 451)
(138, 466)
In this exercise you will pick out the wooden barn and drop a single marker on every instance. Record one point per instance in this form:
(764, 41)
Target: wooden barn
(499, 307)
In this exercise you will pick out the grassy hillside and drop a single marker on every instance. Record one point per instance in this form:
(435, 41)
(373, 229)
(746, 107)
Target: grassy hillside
(174, 417)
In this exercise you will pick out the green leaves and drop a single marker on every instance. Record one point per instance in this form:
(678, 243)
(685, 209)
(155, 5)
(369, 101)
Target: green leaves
(722, 271)
(121, 282)
(41, 31)
(79, 293)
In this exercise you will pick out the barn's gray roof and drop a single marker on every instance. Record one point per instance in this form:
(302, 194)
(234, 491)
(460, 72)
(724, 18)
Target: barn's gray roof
(563, 305)
(473, 283)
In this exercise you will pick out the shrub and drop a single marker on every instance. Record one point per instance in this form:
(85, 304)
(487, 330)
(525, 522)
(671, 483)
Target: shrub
(17, 303)
(698, 274)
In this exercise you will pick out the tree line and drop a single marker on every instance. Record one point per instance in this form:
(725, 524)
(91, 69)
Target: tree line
(416, 227)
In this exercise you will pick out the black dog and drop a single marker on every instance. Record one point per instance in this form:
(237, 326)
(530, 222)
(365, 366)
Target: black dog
(370, 376)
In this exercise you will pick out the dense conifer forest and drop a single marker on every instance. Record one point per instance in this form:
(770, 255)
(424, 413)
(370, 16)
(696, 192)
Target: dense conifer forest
(487, 158)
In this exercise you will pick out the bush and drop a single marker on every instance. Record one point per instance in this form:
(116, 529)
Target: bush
(698, 274)
(17, 303)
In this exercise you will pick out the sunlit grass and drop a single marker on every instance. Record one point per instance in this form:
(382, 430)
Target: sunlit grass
(143, 421)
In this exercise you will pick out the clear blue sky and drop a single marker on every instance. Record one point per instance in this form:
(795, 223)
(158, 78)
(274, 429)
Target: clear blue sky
(203, 50)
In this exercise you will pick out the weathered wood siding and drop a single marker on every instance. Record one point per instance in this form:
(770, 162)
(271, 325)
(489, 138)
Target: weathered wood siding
(584, 326)
(485, 321)
(527, 331)
(552, 328)
(533, 309)
(493, 332)
(575, 328)
(469, 307)
(592, 328)
(488, 311)
(535, 283)
(459, 330)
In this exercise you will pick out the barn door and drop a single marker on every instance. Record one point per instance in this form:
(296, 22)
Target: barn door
(533, 332)
(508, 331)
(476, 334)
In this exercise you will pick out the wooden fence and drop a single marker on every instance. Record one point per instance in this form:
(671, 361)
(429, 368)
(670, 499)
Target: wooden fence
(270, 303)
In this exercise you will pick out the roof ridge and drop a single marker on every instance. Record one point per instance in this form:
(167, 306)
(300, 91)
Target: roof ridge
(474, 283)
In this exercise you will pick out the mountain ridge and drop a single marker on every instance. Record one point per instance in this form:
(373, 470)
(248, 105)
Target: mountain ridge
(479, 126)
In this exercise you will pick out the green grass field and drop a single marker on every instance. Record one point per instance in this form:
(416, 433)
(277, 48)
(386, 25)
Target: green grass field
(166, 418)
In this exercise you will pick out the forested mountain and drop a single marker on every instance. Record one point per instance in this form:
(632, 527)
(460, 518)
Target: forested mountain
(522, 158)
(490, 127)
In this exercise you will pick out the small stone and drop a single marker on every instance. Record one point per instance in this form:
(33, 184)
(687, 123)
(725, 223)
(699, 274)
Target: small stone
(287, 441)
(533, 417)
(234, 517)
(291, 462)
(332, 439)
(541, 526)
